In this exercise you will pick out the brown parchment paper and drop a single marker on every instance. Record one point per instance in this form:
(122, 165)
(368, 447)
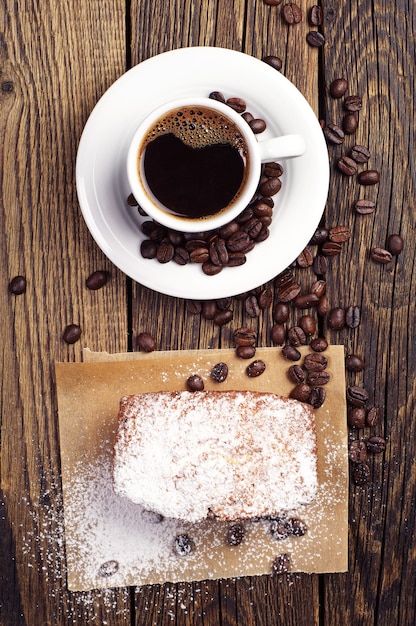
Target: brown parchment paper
(111, 542)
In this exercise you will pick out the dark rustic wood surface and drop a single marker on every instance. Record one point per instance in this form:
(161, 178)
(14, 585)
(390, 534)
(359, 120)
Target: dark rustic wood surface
(56, 60)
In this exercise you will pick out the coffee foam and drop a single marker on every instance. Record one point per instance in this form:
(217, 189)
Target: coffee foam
(198, 127)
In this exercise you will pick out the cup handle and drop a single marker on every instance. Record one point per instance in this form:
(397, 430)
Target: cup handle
(285, 147)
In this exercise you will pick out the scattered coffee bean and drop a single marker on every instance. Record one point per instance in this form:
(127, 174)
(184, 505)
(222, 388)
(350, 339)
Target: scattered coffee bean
(395, 244)
(183, 545)
(317, 397)
(350, 123)
(323, 306)
(373, 416)
(72, 333)
(364, 207)
(336, 318)
(306, 301)
(357, 396)
(271, 186)
(131, 200)
(301, 392)
(256, 368)
(338, 87)
(279, 528)
(380, 255)
(297, 527)
(320, 265)
(148, 249)
(319, 344)
(291, 353)
(318, 378)
(107, 569)
(194, 307)
(296, 374)
(305, 258)
(252, 306)
(146, 342)
(257, 125)
(281, 313)
(352, 317)
(376, 444)
(347, 166)
(340, 234)
(315, 15)
(361, 474)
(315, 39)
(281, 564)
(273, 61)
(320, 235)
(165, 252)
(265, 298)
(369, 177)
(195, 383)
(219, 372)
(354, 363)
(245, 352)
(318, 287)
(245, 336)
(235, 534)
(17, 285)
(278, 334)
(238, 104)
(292, 13)
(357, 452)
(217, 95)
(353, 103)
(360, 154)
(334, 134)
(296, 336)
(331, 248)
(307, 324)
(315, 362)
(288, 292)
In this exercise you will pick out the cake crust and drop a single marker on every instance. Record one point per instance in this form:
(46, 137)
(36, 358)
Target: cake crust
(228, 454)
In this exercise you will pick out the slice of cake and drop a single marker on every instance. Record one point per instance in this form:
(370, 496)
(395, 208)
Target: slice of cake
(228, 454)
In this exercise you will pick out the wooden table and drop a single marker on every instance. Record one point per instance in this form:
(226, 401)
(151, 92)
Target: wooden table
(57, 59)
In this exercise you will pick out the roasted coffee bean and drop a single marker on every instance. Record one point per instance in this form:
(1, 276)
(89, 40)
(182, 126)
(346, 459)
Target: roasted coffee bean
(364, 207)
(238, 241)
(281, 313)
(352, 317)
(265, 298)
(195, 383)
(219, 372)
(181, 256)
(245, 336)
(357, 396)
(338, 87)
(235, 259)
(252, 306)
(271, 186)
(272, 169)
(218, 252)
(247, 116)
(245, 215)
(238, 104)
(315, 15)
(305, 258)
(72, 333)
(285, 277)
(198, 255)
(235, 534)
(288, 292)
(97, 280)
(296, 336)
(318, 287)
(376, 444)
(131, 200)
(257, 125)
(273, 61)
(210, 269)
(331, 248)
(148, 249)
(264, 234)
(256, 368)
(347, 166)
(228, 229)
(223, 317)
(369, 177)
(373, 416)
(245, 352)
(319, 344)
(291, 353)
(278, 334)
(297, 527)
(281, 564)
(353, 103)
(224, 303)
(107, 569)
(357, 452)
(395, 244)
(183, 545)
(340, 234)
(334, 134)
(194, 307)
(175, 237)
(336, 318)
(316, 379)
(350, 124)
(262, 209)
(292, 13)
(315, 362)
(320, 235)
(165, 252)
(301, 392)
(307, 324)
(323, 306)
(209, 309)
(17, 285)
(380, 255)
(360, 154)
(253, 227)
(279, 528)
(217, 95)
(317, 397)
(146, 342)
(315, 39)
(354, 363)
(361, 474)
(320, 264)
(296, 374)
(306, 301)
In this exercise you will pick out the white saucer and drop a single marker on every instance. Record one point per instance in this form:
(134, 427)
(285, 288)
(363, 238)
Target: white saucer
(102, 180)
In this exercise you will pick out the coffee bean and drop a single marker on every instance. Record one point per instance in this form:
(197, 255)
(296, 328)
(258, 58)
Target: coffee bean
(296, 336)
(273, 61)
(219, 372)
(247, 116)
(271, 186)
(272, 2)
(360, 154)
(72, 333)
(315, 362)
(228, 229)
(316, 379)
(217, 95)
(223, 317)
(210, 269)
(347, 166)
(315, 39)
(305, 258)
(357, 452)
(376, 444)
(17, 285)
(334, 134)
(319, 344)
(307, 324)
(209, 309)
(350, 123)
(320, 235)
(281, 313)
(281, 564)
(262, 209)
(338, 87)
(317, 397)
(218, 252)
(183, 545)
(301, 392)
(340, 234)
(320, 264)
(272, 169)
(353, 103)
(357, 396)
(306, 301)
(235, 259)
(224, 303)
(292, 13)
(395, 244)
(279, 528)
(257, 125)
(238, 104)
(364, 207)
(296, 527)
(96, 280)
(181, 256)
(198, 255)
(195, 383)
(315, 15)
(296, 374)
(245, 352)
(235, 534)
(331, 248)
(252, 306)
(354, 363)
(380, 255)
(146, 342)
(265, 298)
(291, 353)
(245, 336)
(165, 252)
(323, 306)
(194, 307)
(361, 474)
(148, 249)
(278, 334)
(336, 318)
(256, 368)
(373, 416)
(318, 287)
(352, 317)
(369, 177)
(288, 292)
(131, 200)
(238, 241)
(107, 569)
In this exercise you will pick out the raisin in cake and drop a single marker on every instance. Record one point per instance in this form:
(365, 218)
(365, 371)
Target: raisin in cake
(228, 454)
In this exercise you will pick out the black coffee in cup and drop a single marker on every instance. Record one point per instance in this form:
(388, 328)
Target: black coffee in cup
(194, 161)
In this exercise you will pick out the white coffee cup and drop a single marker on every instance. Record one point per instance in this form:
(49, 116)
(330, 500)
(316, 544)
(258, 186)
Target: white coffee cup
(256, 153)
